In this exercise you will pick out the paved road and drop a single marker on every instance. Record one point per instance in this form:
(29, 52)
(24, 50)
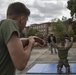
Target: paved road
(44, 56)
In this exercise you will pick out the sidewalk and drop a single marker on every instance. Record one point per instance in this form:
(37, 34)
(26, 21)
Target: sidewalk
(44, 56)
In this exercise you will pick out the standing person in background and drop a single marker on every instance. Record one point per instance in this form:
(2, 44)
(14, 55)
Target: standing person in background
(48, 42)
(12, 54)
(52, 37)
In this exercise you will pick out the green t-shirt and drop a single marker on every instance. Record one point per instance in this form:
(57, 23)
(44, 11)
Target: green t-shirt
(7, 27)
(62, 52)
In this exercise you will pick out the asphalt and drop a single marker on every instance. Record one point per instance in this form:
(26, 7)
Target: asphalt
(44, 56)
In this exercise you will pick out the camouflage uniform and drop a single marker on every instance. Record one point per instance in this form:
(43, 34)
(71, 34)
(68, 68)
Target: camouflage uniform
(63, 54)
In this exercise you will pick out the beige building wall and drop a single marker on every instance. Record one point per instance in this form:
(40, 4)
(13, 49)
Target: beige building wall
(44, 28)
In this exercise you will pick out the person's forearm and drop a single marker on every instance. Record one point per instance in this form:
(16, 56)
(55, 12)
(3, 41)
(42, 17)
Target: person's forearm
(27, 53)
(25, 41)
(69, 46)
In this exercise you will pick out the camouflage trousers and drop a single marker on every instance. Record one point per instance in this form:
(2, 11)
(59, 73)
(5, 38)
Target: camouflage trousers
(63, 62)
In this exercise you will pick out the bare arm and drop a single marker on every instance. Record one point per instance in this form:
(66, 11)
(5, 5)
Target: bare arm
(18, 55)
(69, 46)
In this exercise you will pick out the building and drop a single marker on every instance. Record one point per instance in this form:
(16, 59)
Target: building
(43, 28)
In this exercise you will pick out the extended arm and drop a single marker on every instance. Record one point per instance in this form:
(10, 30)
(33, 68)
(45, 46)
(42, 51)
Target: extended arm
(70, 44)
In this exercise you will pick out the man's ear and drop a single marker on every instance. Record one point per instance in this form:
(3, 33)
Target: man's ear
(22, 19)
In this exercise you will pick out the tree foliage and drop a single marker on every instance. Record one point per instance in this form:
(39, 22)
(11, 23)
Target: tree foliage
(59, 29)
(74, 27)
(30, 32)
(71, 5)
(33, 32)
(71, 32)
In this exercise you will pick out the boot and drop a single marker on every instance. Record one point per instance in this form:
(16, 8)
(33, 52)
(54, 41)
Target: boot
(59, 70)
(67, 69)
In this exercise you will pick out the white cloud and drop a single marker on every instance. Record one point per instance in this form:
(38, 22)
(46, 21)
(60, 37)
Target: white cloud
(41, 10)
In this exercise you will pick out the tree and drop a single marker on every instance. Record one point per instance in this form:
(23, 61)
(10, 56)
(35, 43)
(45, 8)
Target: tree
(30, 32)
(33, 32)
(74, 27)
(71, 32)
(71, 5)
(58, 29)
(39, 34)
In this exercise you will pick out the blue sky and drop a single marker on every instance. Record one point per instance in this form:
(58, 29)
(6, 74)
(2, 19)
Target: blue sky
(41, 10)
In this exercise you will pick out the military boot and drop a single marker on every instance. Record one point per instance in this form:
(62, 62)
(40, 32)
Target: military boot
(67, 69)
(59, 70)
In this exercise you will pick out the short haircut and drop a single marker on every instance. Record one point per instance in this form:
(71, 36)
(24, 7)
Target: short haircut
(16, 9)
